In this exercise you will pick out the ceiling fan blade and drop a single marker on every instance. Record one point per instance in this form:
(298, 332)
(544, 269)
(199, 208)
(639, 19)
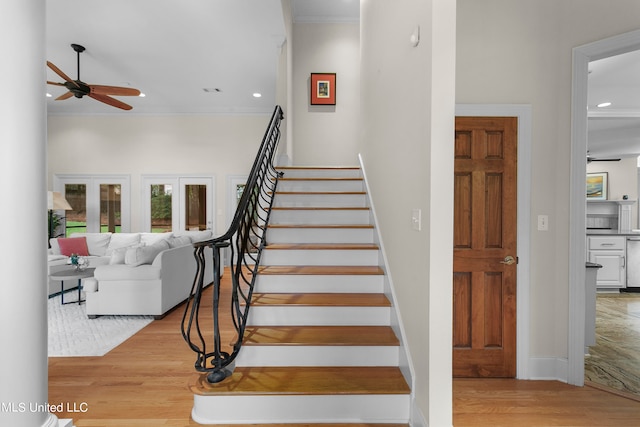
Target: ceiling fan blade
(64, 96)
(59, 72)
(113, 90)
(55, 83)
(110, 101)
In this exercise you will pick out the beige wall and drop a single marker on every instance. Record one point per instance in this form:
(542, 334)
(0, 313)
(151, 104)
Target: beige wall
(623, 179)
(326, 135)
(137, 145)
(520, 51)
(406, 144)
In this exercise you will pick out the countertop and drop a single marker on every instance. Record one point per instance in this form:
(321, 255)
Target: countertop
(612, 232)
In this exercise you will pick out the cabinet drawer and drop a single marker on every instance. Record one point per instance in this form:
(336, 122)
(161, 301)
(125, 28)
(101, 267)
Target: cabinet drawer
(606, 242)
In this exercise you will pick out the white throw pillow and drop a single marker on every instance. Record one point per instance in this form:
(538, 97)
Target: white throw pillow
(144, 254)
(97, 243)
(118, 255)
(122, 240)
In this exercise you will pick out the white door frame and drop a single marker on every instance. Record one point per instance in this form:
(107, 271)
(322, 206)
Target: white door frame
(582, 55)
(523, 113)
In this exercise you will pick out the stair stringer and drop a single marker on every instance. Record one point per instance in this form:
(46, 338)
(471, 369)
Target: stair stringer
(405, 361)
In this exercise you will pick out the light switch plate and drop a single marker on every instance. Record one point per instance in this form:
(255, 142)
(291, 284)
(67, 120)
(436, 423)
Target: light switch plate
(543, 222)
(416, 219)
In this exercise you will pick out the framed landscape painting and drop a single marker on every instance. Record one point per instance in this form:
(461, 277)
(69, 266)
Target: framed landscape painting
(323, 88)
(597, 186)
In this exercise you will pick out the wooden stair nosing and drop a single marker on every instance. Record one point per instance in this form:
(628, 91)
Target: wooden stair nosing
(319, 300)
(322, 246)
(320, 336)
(320, 270)
(321, 178)
(323, 226)
(326, 380)
(320, 208)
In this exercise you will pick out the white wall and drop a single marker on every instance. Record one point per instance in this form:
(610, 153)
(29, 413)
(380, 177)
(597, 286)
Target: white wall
(623, 180)
(217, 145)
(407, 149)
(520, 51)
(326, 135)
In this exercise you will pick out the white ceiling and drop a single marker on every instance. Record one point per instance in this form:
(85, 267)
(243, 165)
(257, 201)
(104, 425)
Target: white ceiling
(173, 50)
(614, 131)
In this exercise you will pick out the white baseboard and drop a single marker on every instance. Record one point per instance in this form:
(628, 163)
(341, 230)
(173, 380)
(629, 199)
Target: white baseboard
(548, 368)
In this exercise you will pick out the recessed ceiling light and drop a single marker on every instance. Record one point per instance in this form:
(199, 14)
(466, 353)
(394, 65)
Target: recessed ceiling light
(604, 104)
(257, 95)
(142, 95)
(49, 95)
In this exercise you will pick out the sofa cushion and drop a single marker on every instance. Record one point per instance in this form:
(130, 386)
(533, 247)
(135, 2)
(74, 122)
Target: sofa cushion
(178, 241)
(96, 242)
(151, 238)
(196, 236)
(125, 272)
(144, 254)
(73, 245)
(122, 240)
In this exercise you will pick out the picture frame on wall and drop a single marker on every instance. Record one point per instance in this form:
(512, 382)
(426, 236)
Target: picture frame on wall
(323, 88)
(598, 186)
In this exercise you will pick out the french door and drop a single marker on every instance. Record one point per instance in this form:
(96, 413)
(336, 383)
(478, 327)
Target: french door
(174, 202)
(101, 203)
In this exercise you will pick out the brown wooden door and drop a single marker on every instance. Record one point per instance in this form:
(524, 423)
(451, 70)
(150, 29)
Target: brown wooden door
(484, 280)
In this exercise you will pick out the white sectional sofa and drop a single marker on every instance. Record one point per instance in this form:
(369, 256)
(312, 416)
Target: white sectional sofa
(135, 273)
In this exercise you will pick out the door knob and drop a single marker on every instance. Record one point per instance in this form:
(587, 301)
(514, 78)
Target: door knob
(508, 260)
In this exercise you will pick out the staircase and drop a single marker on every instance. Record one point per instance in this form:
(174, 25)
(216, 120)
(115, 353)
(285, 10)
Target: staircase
(318, 347)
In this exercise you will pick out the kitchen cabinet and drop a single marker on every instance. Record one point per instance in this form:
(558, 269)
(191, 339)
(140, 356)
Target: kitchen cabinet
(610, 253)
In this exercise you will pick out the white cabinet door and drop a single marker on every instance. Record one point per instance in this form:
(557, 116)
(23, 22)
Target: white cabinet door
(613, 271)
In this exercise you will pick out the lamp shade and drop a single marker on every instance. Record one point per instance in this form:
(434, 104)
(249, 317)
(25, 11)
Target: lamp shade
(56, 201)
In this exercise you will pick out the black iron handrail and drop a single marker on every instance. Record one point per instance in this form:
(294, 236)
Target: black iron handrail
(245, 240)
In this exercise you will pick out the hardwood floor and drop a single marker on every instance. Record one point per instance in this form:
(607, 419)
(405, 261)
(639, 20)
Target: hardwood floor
(144, 382)
(615, 359)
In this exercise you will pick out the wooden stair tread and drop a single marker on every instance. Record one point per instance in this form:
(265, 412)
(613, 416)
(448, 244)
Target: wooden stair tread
(321, 270)
(322, 178)
(320, 300)
(323, 246)
(324, 380)
(317, 168)
(319, 208)
(320, 193)
(320, 335)
(326, 226)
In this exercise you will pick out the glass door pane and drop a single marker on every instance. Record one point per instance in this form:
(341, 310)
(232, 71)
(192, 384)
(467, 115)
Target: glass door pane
(196, 207)
(110, 208)
(161, 208)
(76, 219)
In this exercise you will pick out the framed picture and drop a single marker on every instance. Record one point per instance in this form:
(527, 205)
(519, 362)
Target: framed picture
(597, 186)
(323, 88)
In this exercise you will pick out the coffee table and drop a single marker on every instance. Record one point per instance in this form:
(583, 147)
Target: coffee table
(72, 275)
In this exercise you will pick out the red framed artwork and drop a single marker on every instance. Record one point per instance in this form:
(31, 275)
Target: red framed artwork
(323, 88)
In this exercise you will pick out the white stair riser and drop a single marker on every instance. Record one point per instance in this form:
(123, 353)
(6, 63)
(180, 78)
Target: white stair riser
(287, 355)
(325, 200)
(393, 408)
(319, 284)
(318, 316)
(321, 216)
(320, 235)
(315, 186)
(322, 173)
(319, 257)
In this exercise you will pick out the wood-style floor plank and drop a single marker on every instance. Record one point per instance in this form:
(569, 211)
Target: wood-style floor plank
(145, 383)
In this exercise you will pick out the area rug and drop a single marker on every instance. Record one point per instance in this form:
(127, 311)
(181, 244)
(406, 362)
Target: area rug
(71, 333)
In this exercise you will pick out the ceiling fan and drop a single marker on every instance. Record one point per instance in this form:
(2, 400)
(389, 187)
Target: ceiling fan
(101, 93)
(594, 159)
